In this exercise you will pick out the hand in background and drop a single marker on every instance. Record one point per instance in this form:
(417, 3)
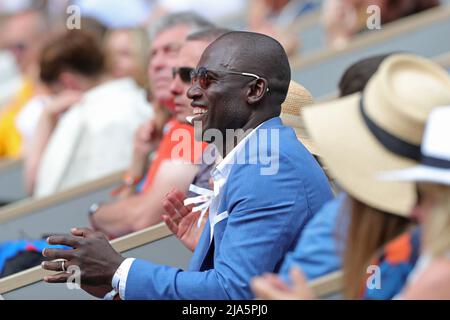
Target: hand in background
(146, 138)
(271, 287)
(62, 102)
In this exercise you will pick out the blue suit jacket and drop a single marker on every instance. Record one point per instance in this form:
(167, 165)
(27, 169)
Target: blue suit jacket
(320, 247)
(266, 216)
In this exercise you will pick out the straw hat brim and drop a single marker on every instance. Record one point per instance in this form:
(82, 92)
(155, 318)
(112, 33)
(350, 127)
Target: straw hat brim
(297, 98)
(355, 158)
(307, 142)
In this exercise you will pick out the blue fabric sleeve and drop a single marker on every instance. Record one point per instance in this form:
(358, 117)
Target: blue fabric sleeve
(318, 252)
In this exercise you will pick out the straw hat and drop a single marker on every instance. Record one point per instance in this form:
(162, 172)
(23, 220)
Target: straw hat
(297, 98)
(435, 159)
(380, 130)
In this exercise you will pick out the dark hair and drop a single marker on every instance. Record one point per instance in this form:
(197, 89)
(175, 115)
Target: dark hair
(396, 9)
(355, 78)
(94, 26)
(209, 34)
(75, 50)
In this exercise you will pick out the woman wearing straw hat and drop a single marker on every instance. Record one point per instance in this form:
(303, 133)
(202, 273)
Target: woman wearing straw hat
(431, 277)
(361, 135)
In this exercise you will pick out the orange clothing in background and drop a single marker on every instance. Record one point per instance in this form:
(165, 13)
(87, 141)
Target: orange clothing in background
(173, 140)
(10, 138)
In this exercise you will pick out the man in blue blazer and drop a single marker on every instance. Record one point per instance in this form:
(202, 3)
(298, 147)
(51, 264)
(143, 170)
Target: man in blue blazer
(266, 187)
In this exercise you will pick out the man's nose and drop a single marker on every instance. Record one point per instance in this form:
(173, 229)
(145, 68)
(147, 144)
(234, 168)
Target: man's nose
(176, 87)
(194, 91)
(157, 62)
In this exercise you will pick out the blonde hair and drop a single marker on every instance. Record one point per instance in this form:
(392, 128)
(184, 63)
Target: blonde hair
(437, 226)
(141, 45)
(369, 229)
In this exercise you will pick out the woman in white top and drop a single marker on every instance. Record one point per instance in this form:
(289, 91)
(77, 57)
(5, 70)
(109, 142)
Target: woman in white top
(86, 131)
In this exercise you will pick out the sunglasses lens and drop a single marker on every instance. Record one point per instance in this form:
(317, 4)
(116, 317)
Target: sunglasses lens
(185, 74)
(204, 78)
(193, 76)
(200, 75)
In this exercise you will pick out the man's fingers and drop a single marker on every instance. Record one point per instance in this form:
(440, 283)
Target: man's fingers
(276, 282)
(81, 232)
(179, 210)
(178, 205)
(57, 253)
(262, 289)
(297, 277)
(58, 278)
(169, 208)
(68, 240)
(170, 224)
(180, 195)
(300, 284)
(172, 213)
(54, 265)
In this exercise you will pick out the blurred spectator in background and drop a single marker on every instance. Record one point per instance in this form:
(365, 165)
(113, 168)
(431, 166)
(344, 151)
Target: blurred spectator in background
(145, 185)
(23, 33)
(343, 19)
(217, 11)
(10, 80)
(9, 72)
(87, 128)
(274, 17)
(12, 7)
(28, 117)
(116, 14)
(431, 277)
(128, 53)
(420, 259)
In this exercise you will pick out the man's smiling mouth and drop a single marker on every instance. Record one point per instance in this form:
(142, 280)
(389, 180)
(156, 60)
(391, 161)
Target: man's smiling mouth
(199, 111)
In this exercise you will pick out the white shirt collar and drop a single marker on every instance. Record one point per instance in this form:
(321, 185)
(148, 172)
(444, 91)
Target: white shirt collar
(222, 170)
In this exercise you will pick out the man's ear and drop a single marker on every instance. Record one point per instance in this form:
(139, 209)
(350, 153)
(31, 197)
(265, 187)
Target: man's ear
(257, 90)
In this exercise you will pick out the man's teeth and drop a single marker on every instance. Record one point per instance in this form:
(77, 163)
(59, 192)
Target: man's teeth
(200, 111)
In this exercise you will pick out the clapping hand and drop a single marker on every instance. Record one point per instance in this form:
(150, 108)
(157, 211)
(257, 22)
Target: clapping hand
(181, 220)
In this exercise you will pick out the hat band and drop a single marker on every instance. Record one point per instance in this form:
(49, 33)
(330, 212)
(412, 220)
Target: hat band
(392, 143)
(435, 162)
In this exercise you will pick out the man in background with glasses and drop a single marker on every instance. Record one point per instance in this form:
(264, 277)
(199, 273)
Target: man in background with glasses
(140, 197)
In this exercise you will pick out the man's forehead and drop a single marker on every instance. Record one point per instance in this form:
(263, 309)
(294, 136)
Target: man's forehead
(219, 58)
(191, 52)
(172, 37)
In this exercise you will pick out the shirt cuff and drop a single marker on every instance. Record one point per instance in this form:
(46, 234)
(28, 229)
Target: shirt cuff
(119, 280)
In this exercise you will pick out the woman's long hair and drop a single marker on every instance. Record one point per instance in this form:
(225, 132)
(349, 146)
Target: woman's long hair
(437, 225)
(369, 229)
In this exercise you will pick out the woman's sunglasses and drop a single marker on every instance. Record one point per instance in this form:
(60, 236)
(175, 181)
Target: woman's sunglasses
(184, 73)
(204, 76)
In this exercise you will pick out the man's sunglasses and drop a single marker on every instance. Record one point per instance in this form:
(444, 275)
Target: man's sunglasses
(184, 73)
(204, 76)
